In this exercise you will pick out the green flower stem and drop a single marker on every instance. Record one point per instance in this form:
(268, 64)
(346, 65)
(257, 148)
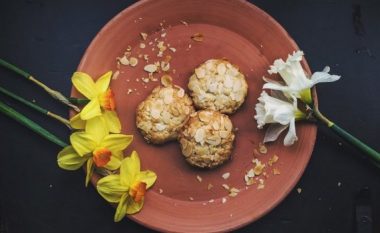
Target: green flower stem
(79, 101)
(10, 112)
(374, 155)
(35, 107)
(55, 94)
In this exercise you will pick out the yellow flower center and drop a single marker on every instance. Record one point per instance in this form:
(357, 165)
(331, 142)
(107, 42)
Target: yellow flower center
(101, 156)
(107, 100)
(137, 191)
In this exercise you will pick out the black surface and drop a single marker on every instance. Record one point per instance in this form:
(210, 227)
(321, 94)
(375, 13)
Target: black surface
(48, 38)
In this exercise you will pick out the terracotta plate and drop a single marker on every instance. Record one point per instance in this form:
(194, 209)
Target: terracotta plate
(249, 38)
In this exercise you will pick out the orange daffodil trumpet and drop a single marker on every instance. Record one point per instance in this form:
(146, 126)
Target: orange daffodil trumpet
(99, 144)
(127, 188)
(102, 101)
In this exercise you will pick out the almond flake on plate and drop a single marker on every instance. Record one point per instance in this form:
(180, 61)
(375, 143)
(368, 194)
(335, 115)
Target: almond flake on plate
(199, 178)
(133, 61)
(262, 148)
(226, 175)
(276, 171)
(150, 68)
(143, 35)
(198, 37)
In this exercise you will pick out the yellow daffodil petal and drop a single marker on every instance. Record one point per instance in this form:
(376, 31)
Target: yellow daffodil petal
(82, 142)
(114, 163)
(69, 159)
(134, 207)
(148, 177)
(116, 142)
(129, 169)
(89, 171)
(97, 127)
(121, 209)
(84, 84)
(103, 82)
(110, 188)
(76, 122)
(92, 109)
(113, 121)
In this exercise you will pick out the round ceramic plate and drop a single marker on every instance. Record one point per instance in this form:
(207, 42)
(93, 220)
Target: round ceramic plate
(234, 30)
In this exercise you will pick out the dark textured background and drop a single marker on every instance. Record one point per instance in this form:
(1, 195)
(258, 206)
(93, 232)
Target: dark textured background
(47, 38)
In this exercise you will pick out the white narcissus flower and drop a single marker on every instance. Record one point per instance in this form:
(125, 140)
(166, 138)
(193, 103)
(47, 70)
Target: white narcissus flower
(297, 83)
(280, 115)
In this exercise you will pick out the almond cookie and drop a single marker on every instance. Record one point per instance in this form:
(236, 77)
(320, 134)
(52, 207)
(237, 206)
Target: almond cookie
(207, 138)
(163, 113)
(218, 85)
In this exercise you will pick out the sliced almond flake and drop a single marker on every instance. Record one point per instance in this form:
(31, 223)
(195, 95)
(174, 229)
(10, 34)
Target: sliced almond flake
(184, 23)
(209, 186)
(198, 37)
(199, 178)
(115, 75)
(150, 68)
(259, 168)
(260, 186)
(191, 198)
(226, 187)
(262, 148)
(276, 171)
(142, 46)
(165, 66)
(145, 80)
(143, 35)
(234, 190)
(123, 60)
(232, 194)
(160, 190)
(133, 61)
(129, 91)
(146, 57)
(129, 48)
(181, 93)
(166, 80)
(173, 49)
(273, 160)
(163, 34)
(211, 200)
(224, 200)
(226, 175)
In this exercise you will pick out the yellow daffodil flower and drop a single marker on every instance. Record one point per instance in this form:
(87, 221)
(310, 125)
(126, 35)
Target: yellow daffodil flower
(102, 102)
(127, 188)
(96, 147)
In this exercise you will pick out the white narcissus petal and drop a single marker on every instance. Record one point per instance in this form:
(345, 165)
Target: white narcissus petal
(324, 76)
(297, 82)
(273, 131)
(291, 136)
